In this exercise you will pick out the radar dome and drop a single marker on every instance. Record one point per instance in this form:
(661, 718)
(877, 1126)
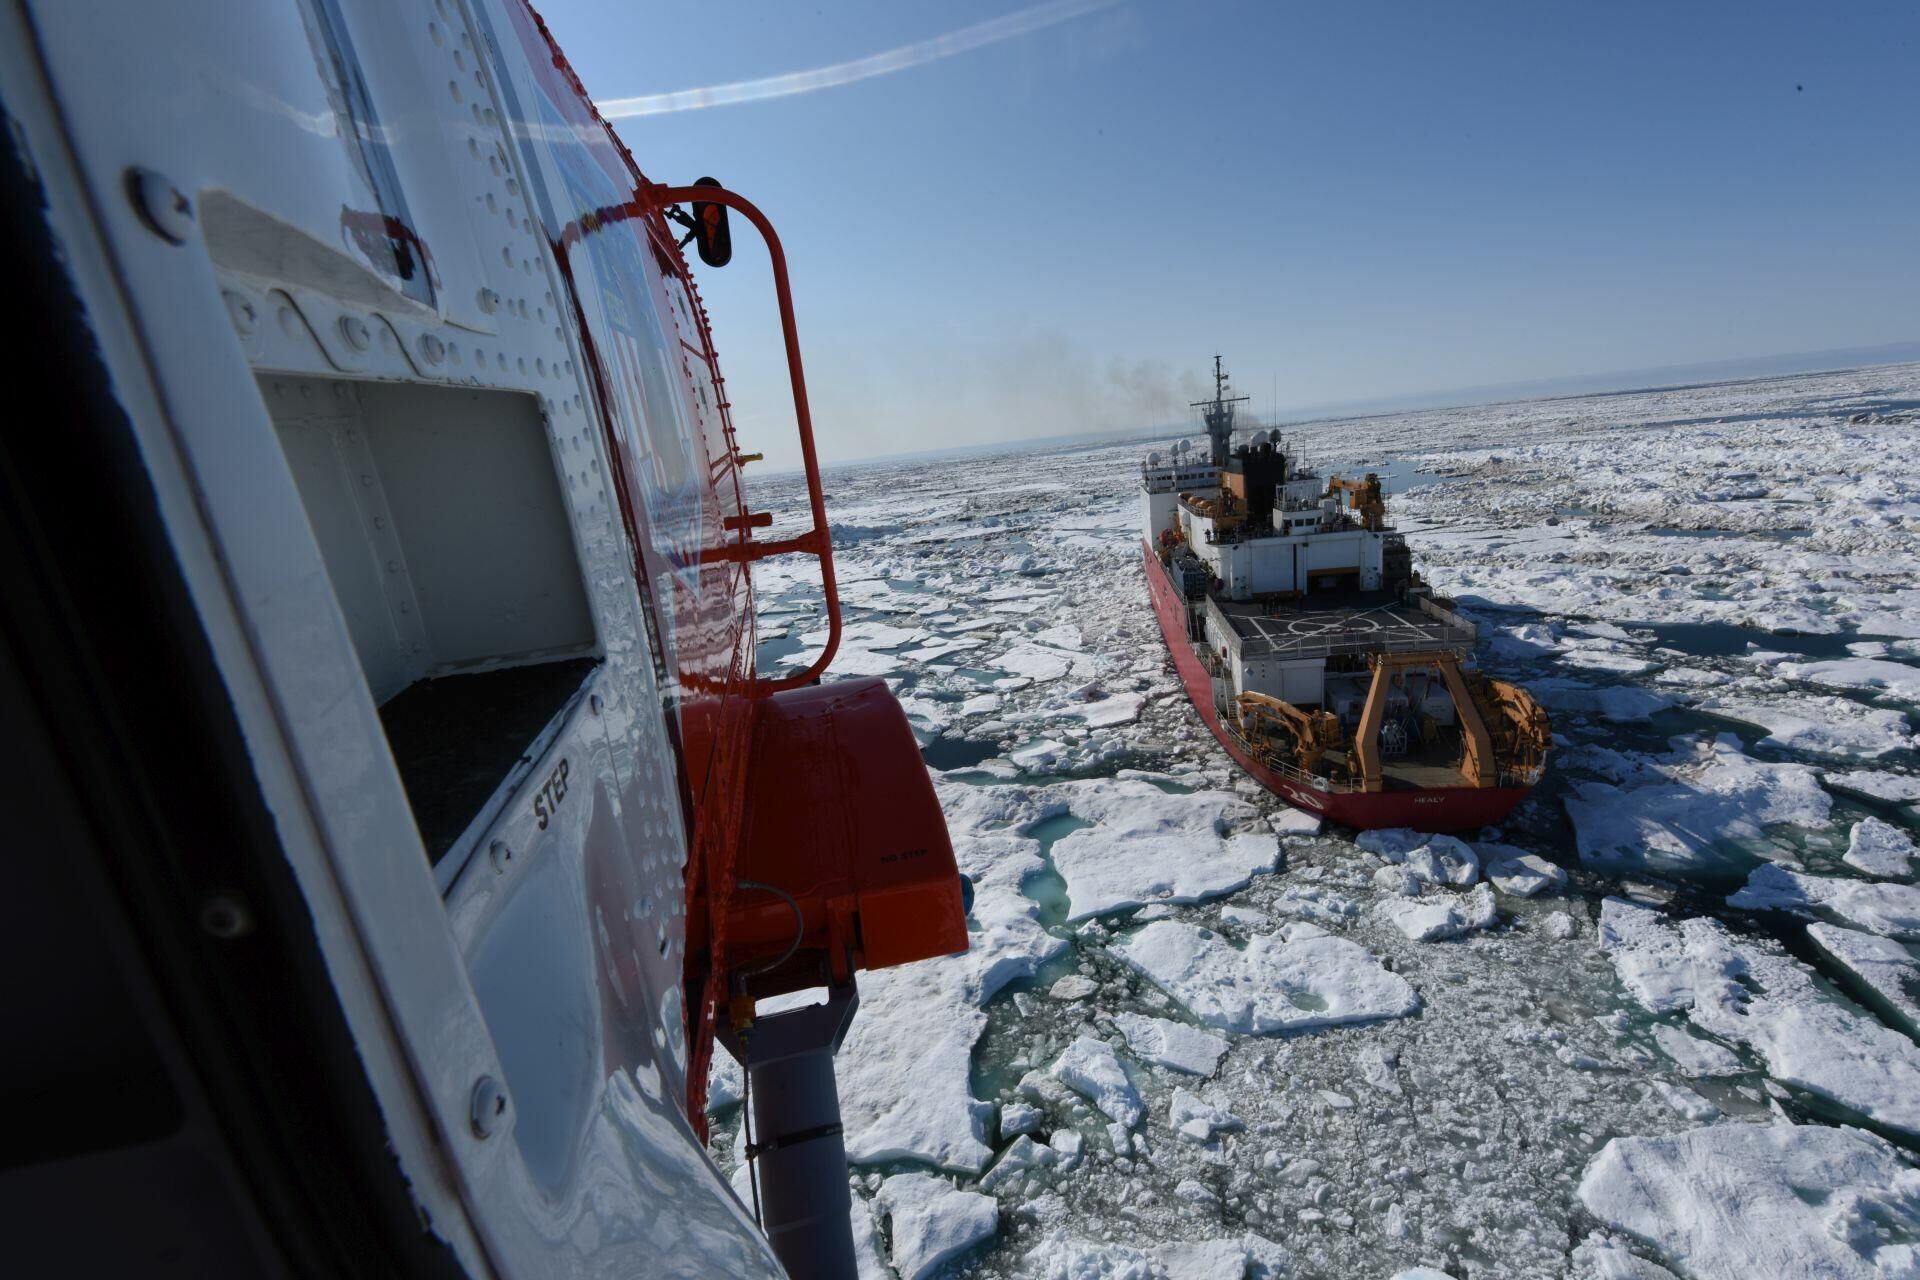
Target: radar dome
(1153, 459)
(1260, 437)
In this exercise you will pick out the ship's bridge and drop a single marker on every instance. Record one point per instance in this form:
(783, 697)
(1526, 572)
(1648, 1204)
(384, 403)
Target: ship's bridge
(1178, 477)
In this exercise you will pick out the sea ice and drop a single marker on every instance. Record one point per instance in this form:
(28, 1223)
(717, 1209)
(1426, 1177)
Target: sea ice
(1697, 1058)
(1040, 755)
(1313, 902)
(1145, 845)
(1037, 663)
(1887, 968)
(919, 1022)
(1195, 1119)
(1392, 843)
(1748, 991)
(1879, 784)
(1173, 1045)
(1740, 1201)
(1287, 821)
(1822, 726)
(867, 1260)
(1896, 678)
(1090, 1068)
(1568, 510)
(1018, 1118)
(1299, 978)
(1677, 823)
(1432, 859)
(726, 1082)
(1526, 874)
(1892, 910)
(1073, 987)
(1685, 1101)
(1434, 916)
(1458, 862)
(1022, 1157)
(1880, 849)
(931, 1221)
(1611, 661)
(1601, 1257)
(1063, 1256)
(1621, 703)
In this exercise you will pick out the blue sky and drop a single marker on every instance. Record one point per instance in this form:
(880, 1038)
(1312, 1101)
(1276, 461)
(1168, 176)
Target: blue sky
(1053, 233)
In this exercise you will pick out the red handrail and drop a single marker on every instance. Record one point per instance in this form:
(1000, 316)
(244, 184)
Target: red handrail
(817, 541)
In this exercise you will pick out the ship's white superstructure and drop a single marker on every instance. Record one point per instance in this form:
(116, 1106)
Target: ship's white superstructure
(1312, 538)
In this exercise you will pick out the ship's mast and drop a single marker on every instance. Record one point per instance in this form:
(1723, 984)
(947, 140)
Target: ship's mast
(1218, 414)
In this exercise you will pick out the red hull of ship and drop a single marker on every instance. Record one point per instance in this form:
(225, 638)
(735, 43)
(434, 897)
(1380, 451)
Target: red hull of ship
(1424, 809)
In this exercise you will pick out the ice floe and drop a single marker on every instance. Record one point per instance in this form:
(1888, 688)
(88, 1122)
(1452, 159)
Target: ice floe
(1821, 726)
(1738, 1202)
(1879, 784)
(1144, 845)
(931, 1221)
(1437, 915)
(919, 1022)
(1892, 910)
(1748, 991)
(1173, 1045)
(1433, 859)
(1061, 1256)
(1880, 849)
(1298, 978)
(1889, 970)
(1895, 678)
(1686, 814)
(1196, 1120)
(1696, 1056)
(1090, 1068)
(1524, 874)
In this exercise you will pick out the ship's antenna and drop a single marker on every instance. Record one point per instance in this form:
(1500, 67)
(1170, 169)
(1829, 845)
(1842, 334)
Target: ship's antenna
(1218, 414)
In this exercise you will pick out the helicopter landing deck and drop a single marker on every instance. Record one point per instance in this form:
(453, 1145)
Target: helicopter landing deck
(1348, 623)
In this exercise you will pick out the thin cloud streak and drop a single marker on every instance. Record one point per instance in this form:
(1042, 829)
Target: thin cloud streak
(978, 36)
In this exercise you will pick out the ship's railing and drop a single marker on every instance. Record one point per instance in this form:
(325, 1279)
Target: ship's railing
(1267, 758)
(1442, 636)
(1336, 524)
(1270, 760)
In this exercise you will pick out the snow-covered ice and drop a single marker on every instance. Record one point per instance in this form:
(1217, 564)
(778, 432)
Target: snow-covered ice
(931, 1221)
(1892, 910)
(1740, 1201)
(1173, 1045)
(1090, 1068)
(1435, 915)
(1748, 991)
(1880, 849)
(1298, 978)
(1695, 1055)
(1144, 845)
(1524, 874)
(1685, 815)
(1887, 969)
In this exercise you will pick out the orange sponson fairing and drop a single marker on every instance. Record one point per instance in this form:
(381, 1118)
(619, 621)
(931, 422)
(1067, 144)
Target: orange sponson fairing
(820, 791)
